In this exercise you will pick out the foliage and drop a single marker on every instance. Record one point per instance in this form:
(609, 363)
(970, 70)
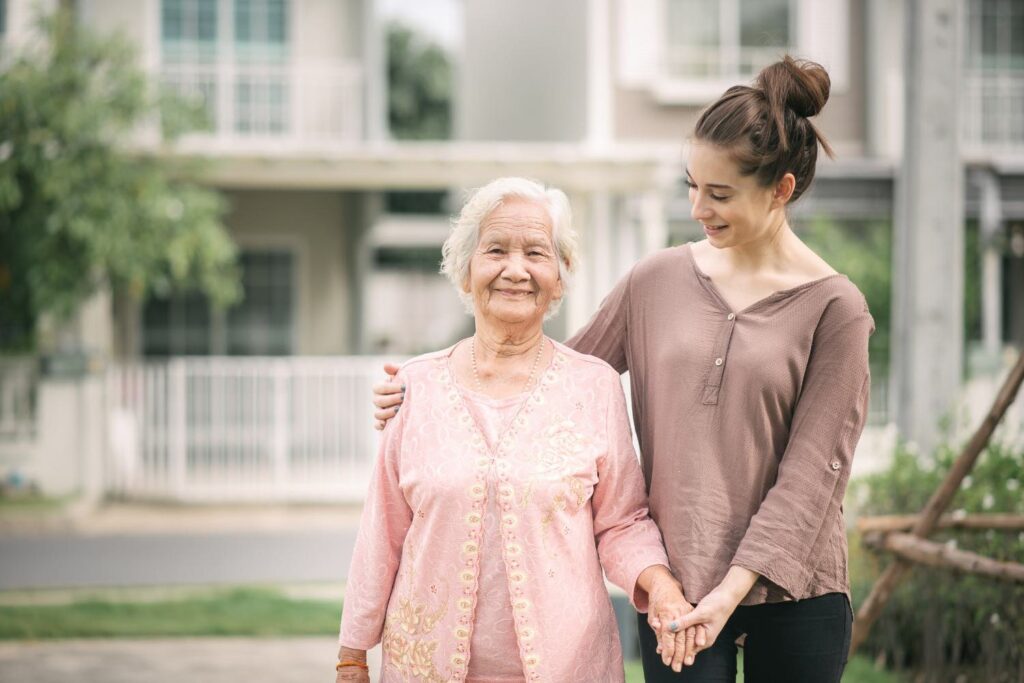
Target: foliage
(862, 252)
(79, 210)
(940, 623)
(419, 86)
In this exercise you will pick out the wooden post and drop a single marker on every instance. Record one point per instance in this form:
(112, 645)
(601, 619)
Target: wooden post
(883, 588)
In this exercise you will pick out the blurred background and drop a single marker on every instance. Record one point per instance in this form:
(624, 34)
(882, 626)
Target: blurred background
(219, 217)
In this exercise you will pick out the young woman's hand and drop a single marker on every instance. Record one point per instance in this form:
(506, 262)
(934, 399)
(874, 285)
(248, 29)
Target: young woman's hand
(714, 610)
(387, 396)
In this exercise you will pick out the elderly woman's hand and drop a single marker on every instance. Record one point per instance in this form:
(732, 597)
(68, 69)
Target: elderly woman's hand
(351, 673)
(714, 610)
(667, 606)
(387, 396)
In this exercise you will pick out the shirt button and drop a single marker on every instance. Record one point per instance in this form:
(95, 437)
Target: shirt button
(731, 316)
(836, 465)
(719, 361)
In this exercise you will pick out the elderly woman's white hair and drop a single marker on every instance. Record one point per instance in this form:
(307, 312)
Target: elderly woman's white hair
(461, 244)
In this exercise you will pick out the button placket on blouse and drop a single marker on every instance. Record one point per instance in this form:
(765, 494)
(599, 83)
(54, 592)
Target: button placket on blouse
(721, 353)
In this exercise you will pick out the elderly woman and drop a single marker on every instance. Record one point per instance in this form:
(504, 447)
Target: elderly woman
(506, 483)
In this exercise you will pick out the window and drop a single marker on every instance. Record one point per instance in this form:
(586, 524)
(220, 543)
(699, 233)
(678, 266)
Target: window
(188, 30)
(994, 74)
(178, 325)
(230, 55)
(261, 29)
(261, 324)
(725, 39)
(996, 35)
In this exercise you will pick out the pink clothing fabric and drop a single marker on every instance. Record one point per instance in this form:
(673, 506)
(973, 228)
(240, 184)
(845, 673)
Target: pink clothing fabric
(495, 650)
(568, 486)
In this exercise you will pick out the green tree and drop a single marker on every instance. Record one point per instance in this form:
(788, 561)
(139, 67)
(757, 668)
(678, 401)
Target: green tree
(863, 252)
(419, 86)
(80, 208)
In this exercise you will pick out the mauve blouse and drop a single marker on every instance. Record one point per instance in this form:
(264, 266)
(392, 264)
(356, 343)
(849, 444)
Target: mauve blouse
(747, 420)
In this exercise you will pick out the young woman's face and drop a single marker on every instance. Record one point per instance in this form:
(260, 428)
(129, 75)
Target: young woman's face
(514, 276)
(733, 209)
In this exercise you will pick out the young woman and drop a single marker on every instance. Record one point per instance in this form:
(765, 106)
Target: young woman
(748, 362)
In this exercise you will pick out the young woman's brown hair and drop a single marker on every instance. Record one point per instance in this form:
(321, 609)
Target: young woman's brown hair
(767, 127)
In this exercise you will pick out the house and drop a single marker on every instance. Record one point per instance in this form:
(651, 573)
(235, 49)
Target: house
(594, 96)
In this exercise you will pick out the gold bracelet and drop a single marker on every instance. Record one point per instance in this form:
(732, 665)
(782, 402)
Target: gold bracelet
(351, 662)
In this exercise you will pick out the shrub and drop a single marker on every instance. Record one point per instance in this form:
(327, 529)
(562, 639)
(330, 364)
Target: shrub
(945, 625)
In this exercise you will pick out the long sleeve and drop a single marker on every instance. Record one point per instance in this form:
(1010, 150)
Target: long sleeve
(815, 466)
(605, 335)
(628, 541)
(386, 519)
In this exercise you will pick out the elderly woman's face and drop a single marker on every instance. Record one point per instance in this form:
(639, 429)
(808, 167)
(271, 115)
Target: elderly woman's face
(513, 276)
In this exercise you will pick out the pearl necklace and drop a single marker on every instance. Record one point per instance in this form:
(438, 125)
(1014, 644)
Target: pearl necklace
(529, 380)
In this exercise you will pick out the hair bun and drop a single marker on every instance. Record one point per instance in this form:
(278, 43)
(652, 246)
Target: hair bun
(798, 84)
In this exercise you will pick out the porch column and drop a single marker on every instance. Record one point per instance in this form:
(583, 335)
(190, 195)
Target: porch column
(929, 250)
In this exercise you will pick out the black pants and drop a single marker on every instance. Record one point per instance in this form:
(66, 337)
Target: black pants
(806, 641)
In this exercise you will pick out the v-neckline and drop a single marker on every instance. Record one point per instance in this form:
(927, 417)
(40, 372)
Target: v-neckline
(774, 296)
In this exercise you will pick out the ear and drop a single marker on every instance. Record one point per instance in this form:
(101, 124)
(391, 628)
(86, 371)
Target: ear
(560, 286)
(783, 191)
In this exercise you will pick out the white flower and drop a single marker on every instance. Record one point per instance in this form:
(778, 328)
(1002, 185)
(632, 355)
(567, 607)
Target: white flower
(959, 514)
(966, 484)
(6, 149)
(51, 149)
(175, 209)
(988, 501)
(1012, 484)
(994, 619)
(951, 544)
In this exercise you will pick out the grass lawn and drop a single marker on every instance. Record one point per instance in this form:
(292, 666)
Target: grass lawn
(237, 612)
(241, 612)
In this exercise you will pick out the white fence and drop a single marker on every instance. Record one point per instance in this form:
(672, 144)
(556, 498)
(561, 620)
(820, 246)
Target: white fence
(233, 429)
(18, 380)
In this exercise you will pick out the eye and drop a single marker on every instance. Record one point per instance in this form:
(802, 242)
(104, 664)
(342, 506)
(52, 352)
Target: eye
(690, 184)
(495, 250)
(718, 198)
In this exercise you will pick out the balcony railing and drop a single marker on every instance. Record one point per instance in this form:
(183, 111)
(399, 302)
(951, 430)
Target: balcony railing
(993, 110)
(270, 105)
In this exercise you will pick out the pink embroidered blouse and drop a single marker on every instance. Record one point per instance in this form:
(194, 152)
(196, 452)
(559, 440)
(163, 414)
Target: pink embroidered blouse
(566, 487)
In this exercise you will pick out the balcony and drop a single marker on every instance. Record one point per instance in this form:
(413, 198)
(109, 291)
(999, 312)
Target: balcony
(267, 108)
(993, 111)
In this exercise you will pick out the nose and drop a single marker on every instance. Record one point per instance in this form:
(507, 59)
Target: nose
(515, 268)
(698, 209)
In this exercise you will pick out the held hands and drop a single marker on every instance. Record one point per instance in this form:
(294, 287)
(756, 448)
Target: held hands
(714, 610)
(667, 608)
(387, 396)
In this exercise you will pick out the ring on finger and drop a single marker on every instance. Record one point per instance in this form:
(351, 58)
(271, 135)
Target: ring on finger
(673, 626)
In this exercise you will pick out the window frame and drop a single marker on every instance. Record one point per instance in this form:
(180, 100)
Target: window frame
(669, 88)
(218, 330)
